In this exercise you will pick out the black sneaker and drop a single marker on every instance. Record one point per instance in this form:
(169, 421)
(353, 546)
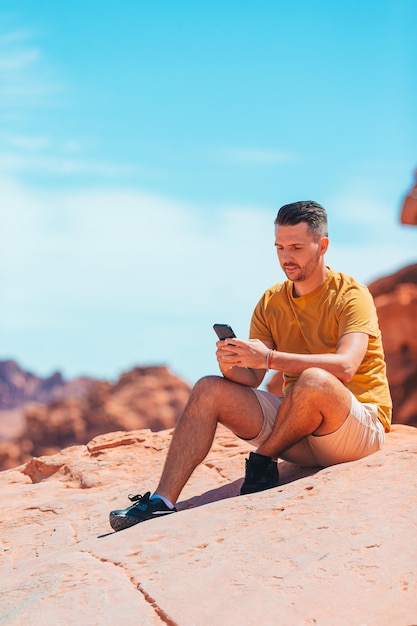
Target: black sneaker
(142, 510)
(261, 473)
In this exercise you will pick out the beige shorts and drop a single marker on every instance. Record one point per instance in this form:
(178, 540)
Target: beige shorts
(361, 434)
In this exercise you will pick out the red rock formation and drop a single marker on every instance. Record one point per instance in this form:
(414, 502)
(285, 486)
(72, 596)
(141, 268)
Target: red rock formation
(409, 208)
(146, 397)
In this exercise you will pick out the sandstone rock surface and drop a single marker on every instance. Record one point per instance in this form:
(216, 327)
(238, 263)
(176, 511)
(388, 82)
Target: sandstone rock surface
(331, 546)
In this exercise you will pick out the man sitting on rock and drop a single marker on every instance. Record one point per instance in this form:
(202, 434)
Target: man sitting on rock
(319, 328)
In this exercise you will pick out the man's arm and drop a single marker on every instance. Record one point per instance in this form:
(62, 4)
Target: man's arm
(343, 364)
(252, 354)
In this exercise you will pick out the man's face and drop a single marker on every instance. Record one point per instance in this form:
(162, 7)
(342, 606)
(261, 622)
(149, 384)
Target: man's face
(299, 252)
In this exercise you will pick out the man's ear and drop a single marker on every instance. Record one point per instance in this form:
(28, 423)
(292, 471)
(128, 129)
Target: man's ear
(324, 244)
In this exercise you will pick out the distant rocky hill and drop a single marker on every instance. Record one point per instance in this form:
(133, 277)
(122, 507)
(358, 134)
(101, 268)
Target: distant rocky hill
(19, 387)
(50, 414)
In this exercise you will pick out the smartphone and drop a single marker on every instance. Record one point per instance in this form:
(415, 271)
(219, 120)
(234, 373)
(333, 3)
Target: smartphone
(223, 331)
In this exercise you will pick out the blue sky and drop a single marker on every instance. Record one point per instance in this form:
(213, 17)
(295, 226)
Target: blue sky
(145, 148)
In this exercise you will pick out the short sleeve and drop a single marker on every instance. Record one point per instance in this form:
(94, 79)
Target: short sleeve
(357, 312)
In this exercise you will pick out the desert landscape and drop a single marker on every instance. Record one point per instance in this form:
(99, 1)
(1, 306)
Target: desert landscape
(330, 546)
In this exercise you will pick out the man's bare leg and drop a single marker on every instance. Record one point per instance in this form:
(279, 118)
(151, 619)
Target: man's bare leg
(213, 400)
(317, 404)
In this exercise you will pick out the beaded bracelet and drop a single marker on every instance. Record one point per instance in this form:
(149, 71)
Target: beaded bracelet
(269, 356)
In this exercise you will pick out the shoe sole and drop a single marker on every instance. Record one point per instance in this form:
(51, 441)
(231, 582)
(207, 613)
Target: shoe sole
(118, 522)
(246, 491)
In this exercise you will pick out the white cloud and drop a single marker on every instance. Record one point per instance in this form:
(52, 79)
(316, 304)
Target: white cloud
(38, 154)
(358, 204)
(19, 60)
(71, 146)
(27, 78)
(255, 156)
(150, 247)
(59, 162)
(24, 142)
(13, 36)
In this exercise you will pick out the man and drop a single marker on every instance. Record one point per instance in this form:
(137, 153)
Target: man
(320, 329)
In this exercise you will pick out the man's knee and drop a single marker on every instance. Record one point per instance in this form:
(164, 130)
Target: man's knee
(323, 390)
(208, 387)
(215, 392)
(316, 379)
(207, 383)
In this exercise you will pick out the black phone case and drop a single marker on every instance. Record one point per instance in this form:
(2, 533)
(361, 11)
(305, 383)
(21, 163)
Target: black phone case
(223, 331)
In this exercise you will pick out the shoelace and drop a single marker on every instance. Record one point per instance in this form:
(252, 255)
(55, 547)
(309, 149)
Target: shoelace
(140, 499)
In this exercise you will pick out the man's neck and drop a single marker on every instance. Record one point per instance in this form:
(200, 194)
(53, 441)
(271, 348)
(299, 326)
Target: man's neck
(304, 287)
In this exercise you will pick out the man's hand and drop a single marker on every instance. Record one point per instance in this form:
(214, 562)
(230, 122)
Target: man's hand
(249, 354)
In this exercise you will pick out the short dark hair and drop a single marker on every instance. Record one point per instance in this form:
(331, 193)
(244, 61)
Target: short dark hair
(305, 211)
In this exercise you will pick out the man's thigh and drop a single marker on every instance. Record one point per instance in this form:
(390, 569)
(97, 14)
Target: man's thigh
(361, 434)
(238, 408)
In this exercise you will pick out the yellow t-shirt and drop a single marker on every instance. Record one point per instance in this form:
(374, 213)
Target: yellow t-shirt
(313, 324)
